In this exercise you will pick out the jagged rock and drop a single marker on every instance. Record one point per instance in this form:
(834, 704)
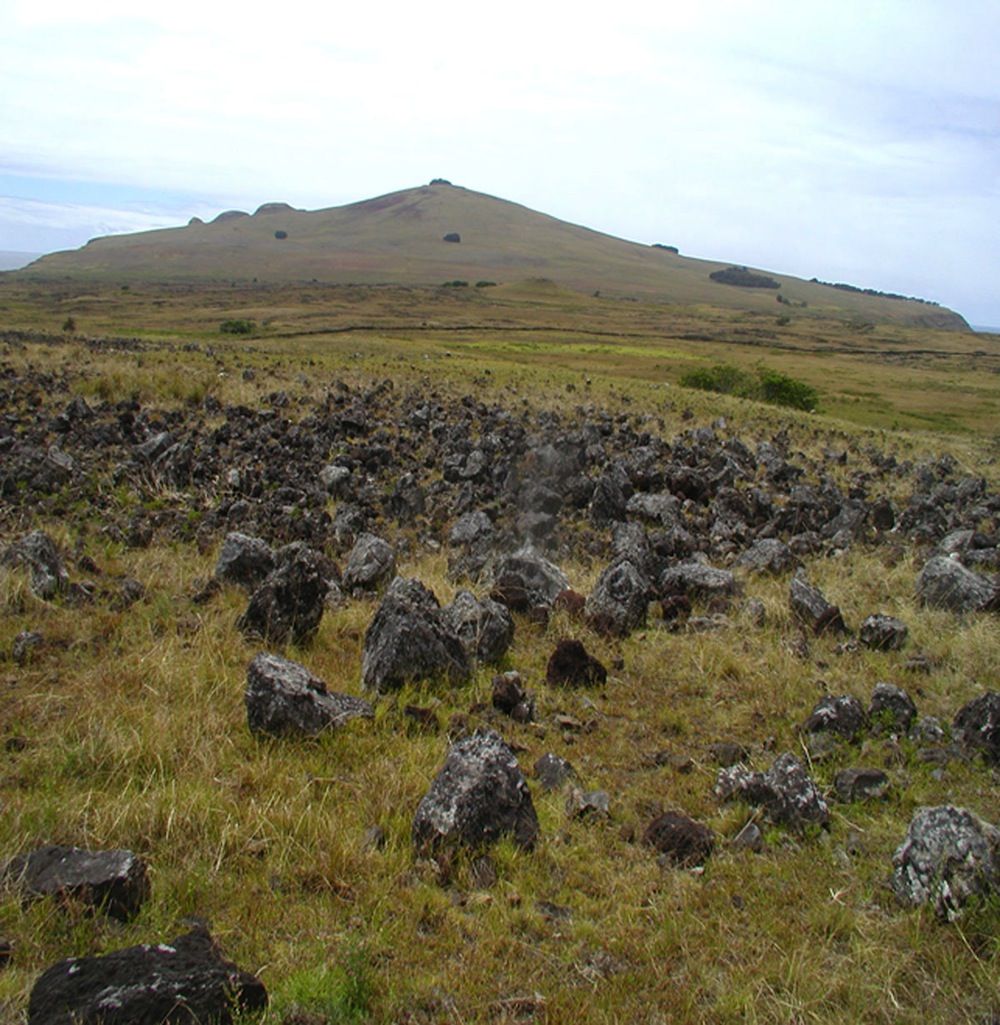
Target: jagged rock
(525, 580)
(409, 639)
(883, 633)
(155, 446)
(785, 792)
(949, 856)
(184, 981)
(484, 627)
(571, 665)
(36, 552)
(372, 562)
(944, 583)
(861, 785)
(284, 699)
(552, 772)
(891, 708)
(812, 608)
(619, 601)
(768, 555)
(336, 480)
(471, 527)
(478, 796)
(683, 840)
(697, 580)
(977, 726)
(24, 645)
(244, 560)
(588, 804)
(841, 714)
(511, 697)
(113, 882)
(608, 501)
(660, 509)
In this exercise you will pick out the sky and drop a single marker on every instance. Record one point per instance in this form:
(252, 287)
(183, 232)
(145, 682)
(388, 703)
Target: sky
(850, 141)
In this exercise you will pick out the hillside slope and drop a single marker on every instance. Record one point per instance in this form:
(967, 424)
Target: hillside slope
(400, 238)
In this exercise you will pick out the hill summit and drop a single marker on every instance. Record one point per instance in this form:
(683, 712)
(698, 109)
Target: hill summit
(439, 232)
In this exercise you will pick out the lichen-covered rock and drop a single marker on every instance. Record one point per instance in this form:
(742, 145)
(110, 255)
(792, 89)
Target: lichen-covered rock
(697, 580)
(479, 796)
(948, 857)
(841, 714)
(289, 604)
(114, 882)
(811, 607)
(244, 560)
(371, 563)
(619, 601)
(683, 840)
(183, 982)
(768, 555)
(944, 583)
(409, 639)
(284, 699)
(891, 709)
(861, 785)
(977, 726)
(883, 633)
(484, 626)
(526, 580)
(36, 552)
(572, 665)
(785, 792)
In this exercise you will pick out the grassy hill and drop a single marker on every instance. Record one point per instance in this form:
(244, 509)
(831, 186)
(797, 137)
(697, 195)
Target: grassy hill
(399, 238)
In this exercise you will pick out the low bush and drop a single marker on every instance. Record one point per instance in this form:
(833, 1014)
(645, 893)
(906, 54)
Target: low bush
(764, 385)
(238, 327)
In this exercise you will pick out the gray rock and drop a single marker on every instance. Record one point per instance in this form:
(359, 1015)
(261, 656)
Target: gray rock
(284, 699)
(841, 714)
(949, 856)
(785, 792)
(891, 708)
(620, 599)
(883, 633)
(811, 607)
(526, 580)
(371, 564)
(484, 626)
(471, 527)
(944, 583)
(697, 580)
(336, 480)
(181, 982)
(410, 639)
(289, 604)
(478, 796)
(861, 785)
(36, 552)
(660, 509)
(977, 726)
(244, 560)
(768, 555)
(553, 772)
(750, 838)
(588, 804)
(25, 643)
(113, 882)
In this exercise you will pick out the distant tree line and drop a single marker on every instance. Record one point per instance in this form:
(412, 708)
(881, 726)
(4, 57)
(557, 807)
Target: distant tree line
(873, 291)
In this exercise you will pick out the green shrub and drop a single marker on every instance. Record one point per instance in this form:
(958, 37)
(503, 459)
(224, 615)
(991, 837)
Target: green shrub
(766, 385)
(781, 390)
(238, 327)
(456, 284)
(486, 284)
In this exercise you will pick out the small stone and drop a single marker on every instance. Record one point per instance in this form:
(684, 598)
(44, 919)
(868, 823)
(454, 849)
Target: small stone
(840, 714)
(883, 633)
(591, 804)
(552, 772)
(749, 838)
(861, 785)
(26, 643)
(681, 839)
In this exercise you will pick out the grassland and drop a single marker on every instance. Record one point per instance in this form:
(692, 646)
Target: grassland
(128, 729)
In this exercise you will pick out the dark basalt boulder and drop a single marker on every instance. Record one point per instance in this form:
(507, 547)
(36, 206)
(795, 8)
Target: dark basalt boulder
(511, 697)
(410, 638)
(811, 607)
(681, 839)
(553, 772)
(484, 626)
(289, 604)
(479, 796)
(883, 633)
(525, 580)
(977, 726)
(371, 564)
(860, 785)
(785, 792)
(36, 552)
(620, 599)
(841, 714)
(184, 982)
(944, 583)
(948, 857)
(573, 666)
(891, 709)
(284, 699)
(244, 560)
(113, 882)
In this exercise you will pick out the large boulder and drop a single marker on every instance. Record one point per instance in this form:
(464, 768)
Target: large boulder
(697, 580)
(619, 601)
(785, 792)
(479, 796)
(36, 552)
(284, 699)
(485, 627)
(244, 560)
(289, 604)
(409, 639)
(114, 882)
(948, 857)
(977, 726)
(944, 583)
(372, 562)
(525, 580)
(183, 982)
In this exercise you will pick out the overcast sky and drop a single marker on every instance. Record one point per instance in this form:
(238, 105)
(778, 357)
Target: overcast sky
(851, 141)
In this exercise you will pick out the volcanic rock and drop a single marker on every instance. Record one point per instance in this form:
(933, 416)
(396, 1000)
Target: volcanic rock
(841, 714)
(697, 580)
(785, 792)
(944, 583)
(891, 708)
(552, 772)
(883, 633)
(812, 608)
(619, 601)
(571, 665)
(861, 785)
(36, 552)
(372, 562)
(683, 840)
(525, 580)
(484, 626)
(244, 560)
(977, 726)
(768, 555)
